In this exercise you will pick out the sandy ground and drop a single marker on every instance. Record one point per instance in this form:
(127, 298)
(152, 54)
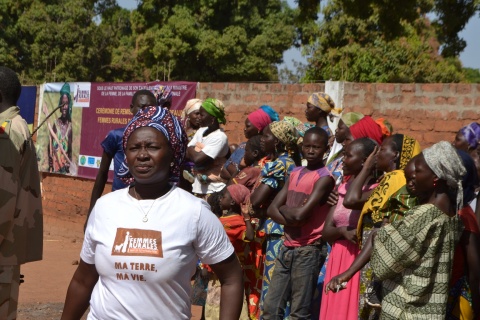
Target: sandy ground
(43, 293)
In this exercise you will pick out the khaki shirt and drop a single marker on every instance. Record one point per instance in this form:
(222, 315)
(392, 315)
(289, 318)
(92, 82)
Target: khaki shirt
(21, 220)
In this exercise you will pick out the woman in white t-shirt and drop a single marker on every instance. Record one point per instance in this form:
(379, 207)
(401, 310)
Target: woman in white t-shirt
(142, 243)
(208, 149)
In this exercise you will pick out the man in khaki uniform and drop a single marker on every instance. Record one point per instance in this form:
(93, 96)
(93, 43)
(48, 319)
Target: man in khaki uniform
(21, 221)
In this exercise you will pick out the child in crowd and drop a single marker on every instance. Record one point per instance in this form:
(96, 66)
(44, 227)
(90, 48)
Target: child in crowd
(239, 230)
(301, 207)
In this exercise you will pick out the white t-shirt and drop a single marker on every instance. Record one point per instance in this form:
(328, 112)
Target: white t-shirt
(215, 146)
(145, 267)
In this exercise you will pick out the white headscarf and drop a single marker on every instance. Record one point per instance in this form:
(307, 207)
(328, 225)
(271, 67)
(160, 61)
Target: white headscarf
(447, 165)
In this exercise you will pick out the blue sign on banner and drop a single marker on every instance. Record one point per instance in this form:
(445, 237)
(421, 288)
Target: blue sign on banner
(26, 102)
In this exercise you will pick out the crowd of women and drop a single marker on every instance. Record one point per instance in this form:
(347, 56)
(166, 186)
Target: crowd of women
(336, 218)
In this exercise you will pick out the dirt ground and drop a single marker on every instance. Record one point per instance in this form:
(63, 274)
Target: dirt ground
(43, 293)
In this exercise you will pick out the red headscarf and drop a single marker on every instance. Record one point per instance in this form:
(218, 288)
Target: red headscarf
(260, 119)
(239, 193)
(367, 128)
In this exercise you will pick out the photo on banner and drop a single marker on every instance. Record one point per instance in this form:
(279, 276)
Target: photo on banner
(58, 140)
(70, 141)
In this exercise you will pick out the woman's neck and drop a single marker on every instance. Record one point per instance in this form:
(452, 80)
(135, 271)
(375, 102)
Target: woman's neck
(211, 128)
(321, 122)
(149, 191)
(440, 199)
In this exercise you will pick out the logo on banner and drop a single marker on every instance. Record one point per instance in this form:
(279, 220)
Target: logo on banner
(81, 96)
(83, 160)
(137, 242)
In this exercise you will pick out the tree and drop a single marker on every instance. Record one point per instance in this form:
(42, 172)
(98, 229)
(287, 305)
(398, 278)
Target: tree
(379, 41)
(212, 40)
(472, 75)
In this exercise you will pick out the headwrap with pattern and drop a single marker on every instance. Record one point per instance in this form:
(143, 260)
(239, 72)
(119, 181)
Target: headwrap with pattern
(262, 117)
(444, 161)
(215, 108)
(285, 132)
(322, 101)
(161, 119)
(471, 132)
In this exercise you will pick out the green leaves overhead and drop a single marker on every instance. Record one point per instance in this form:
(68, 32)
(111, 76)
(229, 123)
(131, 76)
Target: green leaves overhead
(384, 41)
(88, 40)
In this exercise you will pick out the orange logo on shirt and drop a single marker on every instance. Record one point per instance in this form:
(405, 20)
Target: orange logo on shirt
(137, 242)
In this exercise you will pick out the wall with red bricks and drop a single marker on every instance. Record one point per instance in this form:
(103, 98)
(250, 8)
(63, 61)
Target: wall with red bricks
(428, 112)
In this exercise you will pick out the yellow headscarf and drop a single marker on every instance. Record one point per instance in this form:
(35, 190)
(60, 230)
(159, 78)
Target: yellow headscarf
(322, 101)
(390, 184)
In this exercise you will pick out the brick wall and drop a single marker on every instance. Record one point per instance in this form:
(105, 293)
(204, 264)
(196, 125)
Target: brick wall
(428, 112)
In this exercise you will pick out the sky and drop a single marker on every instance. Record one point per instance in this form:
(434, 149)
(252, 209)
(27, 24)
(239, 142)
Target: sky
(470, 57)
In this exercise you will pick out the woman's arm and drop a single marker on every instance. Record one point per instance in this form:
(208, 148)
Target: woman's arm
(331, 233)
(79, 291)
(355, 197)
(198, 157)
(470, 243)
(273, 210)
(261, 195)
(230, 275)
(250, 232)
(296, 216)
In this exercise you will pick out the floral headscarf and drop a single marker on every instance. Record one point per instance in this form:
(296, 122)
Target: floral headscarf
(161, 119)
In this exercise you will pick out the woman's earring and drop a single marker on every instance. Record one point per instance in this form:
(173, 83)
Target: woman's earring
(172, 164)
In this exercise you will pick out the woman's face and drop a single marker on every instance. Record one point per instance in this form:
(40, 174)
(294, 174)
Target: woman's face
(148, 156)
(424, 177)
(353, 159)
(205, 118)
(341, 132)
(387, 155)
(250, 130)
(268, 141)
(226, 200)
(312, 113)
(250, 155)
(410, 176)
(64, 107)
(194, 119)
(313, 148)
(349, 139)
(64, 99)
(460, 142)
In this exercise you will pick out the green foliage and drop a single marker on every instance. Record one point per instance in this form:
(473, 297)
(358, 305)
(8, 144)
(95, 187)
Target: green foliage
(472, 75)
(96, 40)
(372, 49)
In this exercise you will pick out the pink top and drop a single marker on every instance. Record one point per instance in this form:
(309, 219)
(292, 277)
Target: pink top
(300, 188)
(343, 217)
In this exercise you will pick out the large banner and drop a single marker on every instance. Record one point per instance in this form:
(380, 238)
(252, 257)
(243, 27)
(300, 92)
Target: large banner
(26, 103)
(83, 114)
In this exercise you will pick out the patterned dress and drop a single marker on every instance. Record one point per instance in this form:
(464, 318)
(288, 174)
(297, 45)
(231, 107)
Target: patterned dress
(414, 257)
